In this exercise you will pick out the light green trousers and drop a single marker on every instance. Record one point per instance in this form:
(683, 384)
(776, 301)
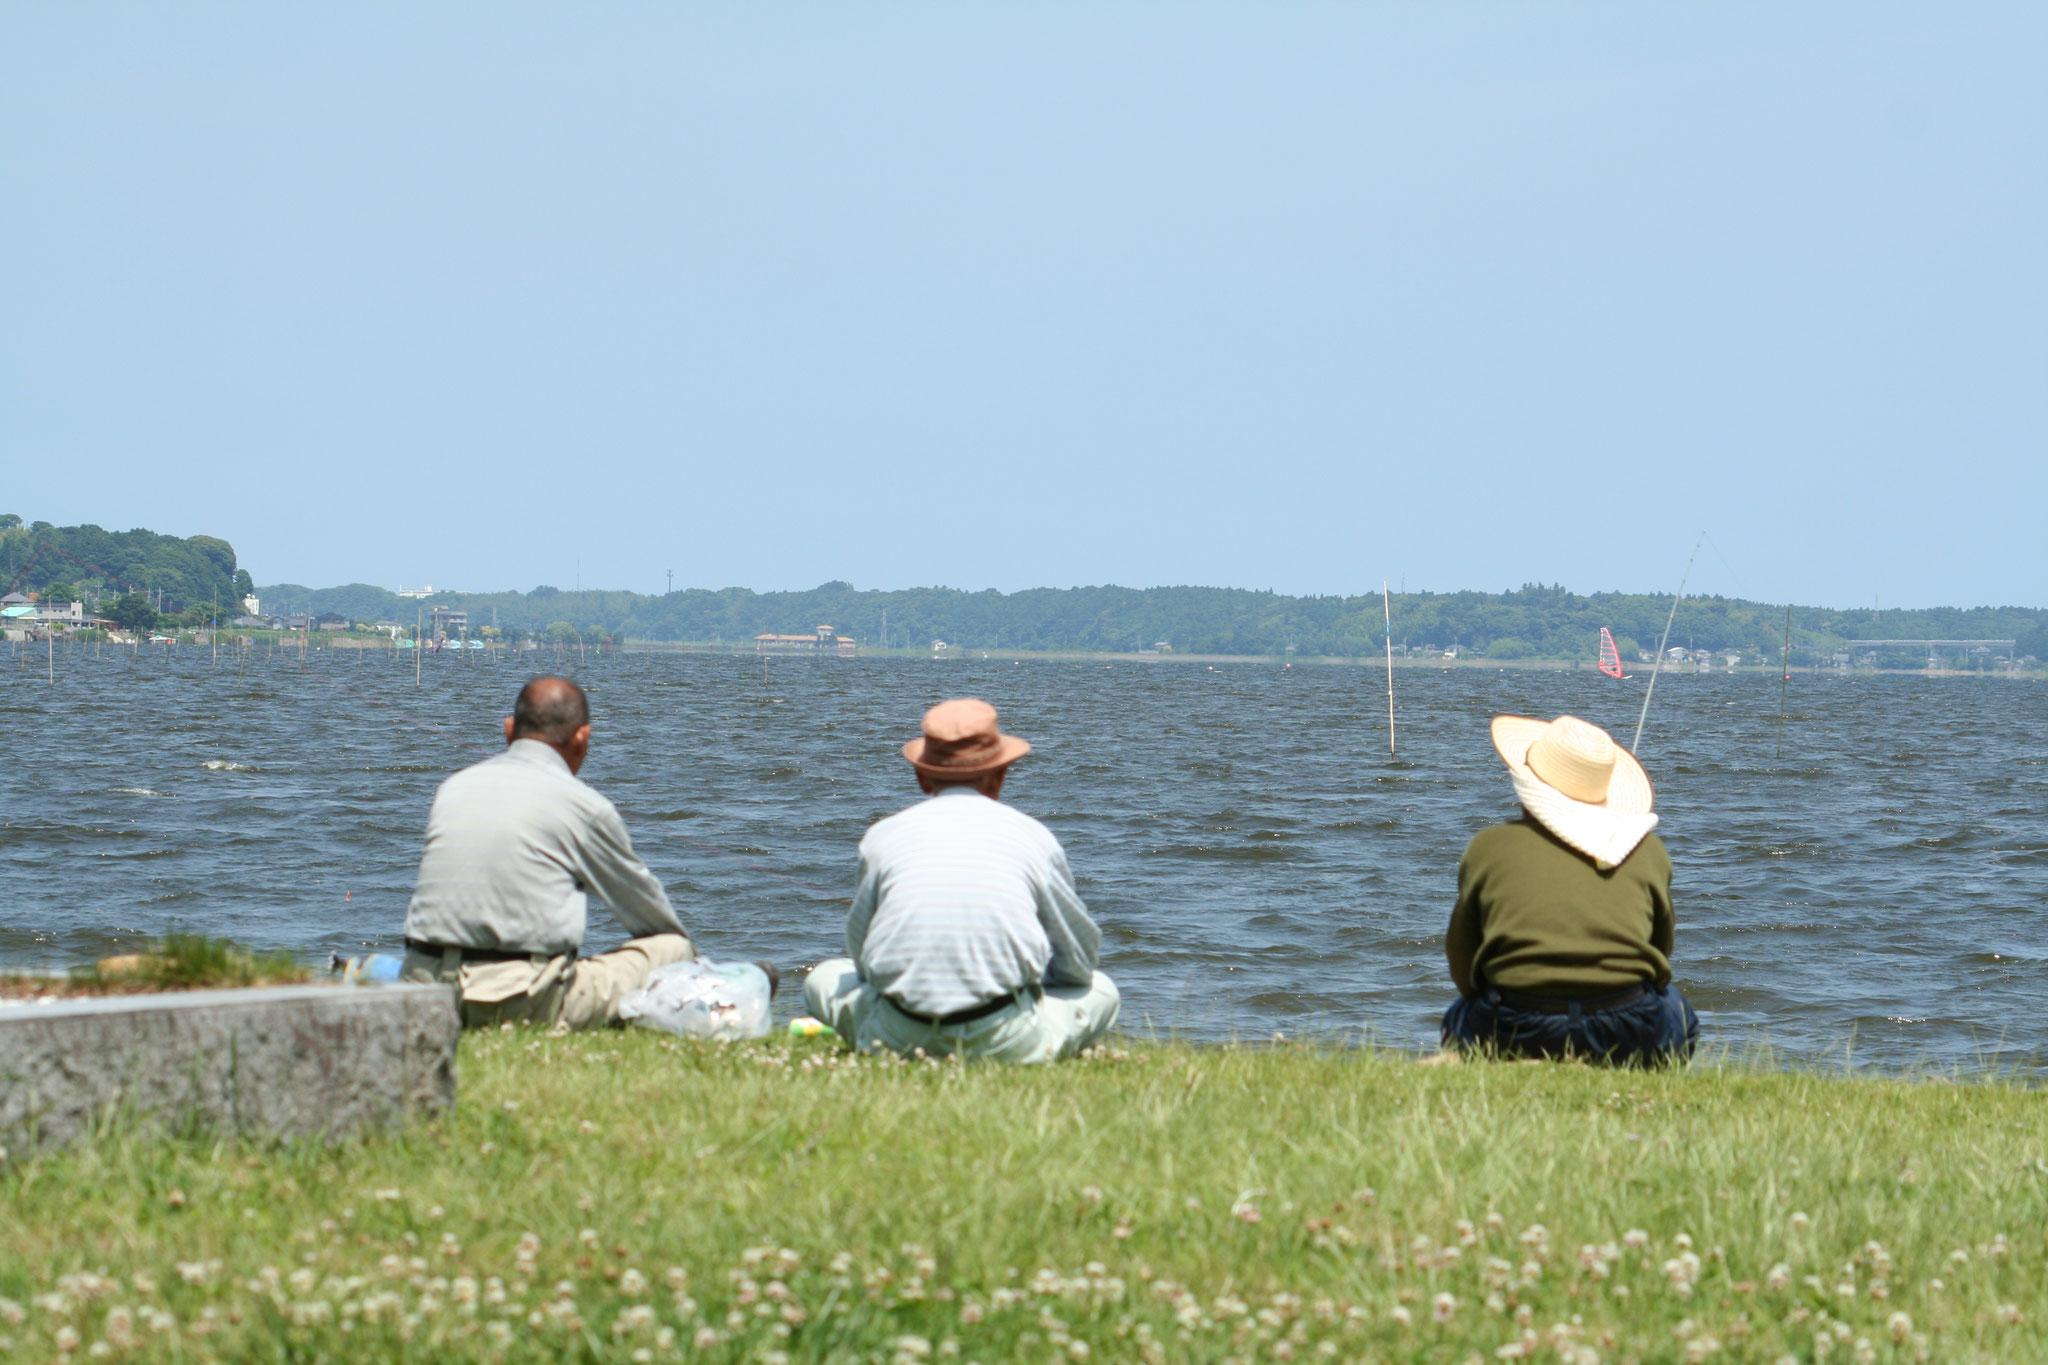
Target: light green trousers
(1058, 1024)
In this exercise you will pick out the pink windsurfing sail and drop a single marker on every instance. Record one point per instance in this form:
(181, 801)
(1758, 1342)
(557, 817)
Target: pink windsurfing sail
(1610, 657)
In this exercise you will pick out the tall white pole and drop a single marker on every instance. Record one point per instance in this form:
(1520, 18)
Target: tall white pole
(1387, 606)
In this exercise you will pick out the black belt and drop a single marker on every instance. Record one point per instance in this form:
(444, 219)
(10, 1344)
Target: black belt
(471, 954)
(971, 1013)
(1587, 1004)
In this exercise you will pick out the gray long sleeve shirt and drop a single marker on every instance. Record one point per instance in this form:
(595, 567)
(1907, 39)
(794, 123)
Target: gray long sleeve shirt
(515, 844)
(962, 899)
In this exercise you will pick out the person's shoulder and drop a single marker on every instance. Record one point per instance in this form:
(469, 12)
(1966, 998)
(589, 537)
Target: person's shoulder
(1512, 843)
(484, 770)
(1027, 829)
(556, 780)
(893, 826)
(1652, 852)
(1509, 834)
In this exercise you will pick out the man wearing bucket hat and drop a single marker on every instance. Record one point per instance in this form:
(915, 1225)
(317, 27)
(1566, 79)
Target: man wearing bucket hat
(1561, 940)
(966, 936)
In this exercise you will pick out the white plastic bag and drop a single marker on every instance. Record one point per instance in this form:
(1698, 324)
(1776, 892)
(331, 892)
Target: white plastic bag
(703, 999)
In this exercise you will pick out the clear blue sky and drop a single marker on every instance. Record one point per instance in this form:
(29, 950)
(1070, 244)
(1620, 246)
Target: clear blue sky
(1004, 295)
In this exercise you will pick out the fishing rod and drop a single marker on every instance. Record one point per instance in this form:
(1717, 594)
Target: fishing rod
(1658, 667)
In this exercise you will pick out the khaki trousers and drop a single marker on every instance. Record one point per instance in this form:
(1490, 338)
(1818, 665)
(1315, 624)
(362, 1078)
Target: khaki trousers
(579, 992)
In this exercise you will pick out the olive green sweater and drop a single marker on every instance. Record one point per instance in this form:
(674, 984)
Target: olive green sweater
(1535, 915)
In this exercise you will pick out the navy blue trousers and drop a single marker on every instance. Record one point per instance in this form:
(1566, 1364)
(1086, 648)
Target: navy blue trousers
(1660, 1027)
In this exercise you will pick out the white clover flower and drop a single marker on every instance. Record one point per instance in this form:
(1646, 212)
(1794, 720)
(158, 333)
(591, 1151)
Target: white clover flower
(1443, 1307)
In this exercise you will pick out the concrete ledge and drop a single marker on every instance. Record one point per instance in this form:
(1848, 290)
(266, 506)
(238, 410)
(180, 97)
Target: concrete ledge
(284, 1061)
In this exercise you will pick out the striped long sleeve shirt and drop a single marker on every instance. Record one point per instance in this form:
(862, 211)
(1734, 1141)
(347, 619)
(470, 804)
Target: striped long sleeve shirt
(962, 899)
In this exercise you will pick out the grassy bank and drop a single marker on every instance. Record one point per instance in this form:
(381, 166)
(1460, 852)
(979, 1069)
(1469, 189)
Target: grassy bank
(179, 962)
(632, 1197)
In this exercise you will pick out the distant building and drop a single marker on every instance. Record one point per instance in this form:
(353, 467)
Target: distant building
(820, 639)
(446, 621)
(251, 604)
(427, 591)
(330, 620)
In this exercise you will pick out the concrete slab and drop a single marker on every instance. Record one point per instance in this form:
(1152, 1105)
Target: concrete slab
(284, 1061)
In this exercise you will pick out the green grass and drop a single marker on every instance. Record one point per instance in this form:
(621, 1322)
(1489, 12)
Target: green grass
(627, 1196)
(179, 962)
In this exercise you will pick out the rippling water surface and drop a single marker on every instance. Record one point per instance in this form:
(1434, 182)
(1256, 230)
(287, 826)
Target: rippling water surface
(1256, 860)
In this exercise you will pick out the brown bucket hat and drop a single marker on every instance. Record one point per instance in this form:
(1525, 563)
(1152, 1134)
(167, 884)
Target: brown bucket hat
(961, 740)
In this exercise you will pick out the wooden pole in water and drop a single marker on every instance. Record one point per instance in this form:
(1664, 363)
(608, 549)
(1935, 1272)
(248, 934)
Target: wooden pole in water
(418, 643)
(1784, 676)
(1651, 690)
(52, 638)
(1387, 607)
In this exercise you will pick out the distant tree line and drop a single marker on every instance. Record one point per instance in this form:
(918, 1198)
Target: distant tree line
(123, 574)
(1534, 621)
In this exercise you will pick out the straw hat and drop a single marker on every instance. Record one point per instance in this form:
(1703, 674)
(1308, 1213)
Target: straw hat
(1576, 759)
(961, 740)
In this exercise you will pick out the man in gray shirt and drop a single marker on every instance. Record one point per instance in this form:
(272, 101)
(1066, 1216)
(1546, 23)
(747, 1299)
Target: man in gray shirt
(515, 844)
(966, 934)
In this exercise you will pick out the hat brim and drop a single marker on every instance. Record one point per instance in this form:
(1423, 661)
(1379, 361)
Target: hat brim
(1629, 791)
(1009, 749)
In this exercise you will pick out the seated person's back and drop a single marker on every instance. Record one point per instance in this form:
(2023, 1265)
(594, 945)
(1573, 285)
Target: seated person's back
(1561, 940)
(961, 890)
(514, 846)
(1553, 922)
(966, 936)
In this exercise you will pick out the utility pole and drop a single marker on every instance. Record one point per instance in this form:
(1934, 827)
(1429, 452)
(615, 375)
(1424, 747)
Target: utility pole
(671, 582)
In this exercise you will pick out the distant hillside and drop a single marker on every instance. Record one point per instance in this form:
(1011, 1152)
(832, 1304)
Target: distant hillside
(1531, 622)
(104, 564)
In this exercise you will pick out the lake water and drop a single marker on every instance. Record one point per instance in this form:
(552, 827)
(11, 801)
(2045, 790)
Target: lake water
(1257, 862)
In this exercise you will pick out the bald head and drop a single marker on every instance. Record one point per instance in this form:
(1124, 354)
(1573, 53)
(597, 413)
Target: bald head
(551, 709)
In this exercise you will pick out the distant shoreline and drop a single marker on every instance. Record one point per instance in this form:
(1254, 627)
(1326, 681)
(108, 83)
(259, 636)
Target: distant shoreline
(1283, 661)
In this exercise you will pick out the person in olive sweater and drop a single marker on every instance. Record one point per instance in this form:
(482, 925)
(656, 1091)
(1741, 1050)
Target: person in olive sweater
(1560, 943)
